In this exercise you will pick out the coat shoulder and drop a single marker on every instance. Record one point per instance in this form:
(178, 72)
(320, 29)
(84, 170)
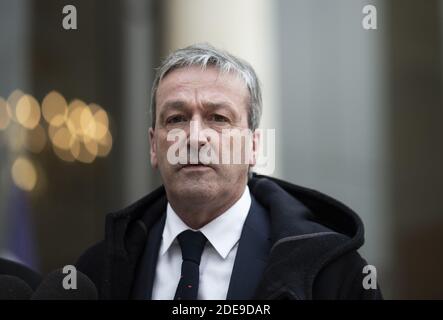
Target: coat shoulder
(343, 279)
(92, 262)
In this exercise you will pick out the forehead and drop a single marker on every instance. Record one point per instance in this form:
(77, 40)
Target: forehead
(194, 83)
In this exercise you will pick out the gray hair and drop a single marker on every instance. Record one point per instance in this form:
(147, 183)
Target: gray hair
(206, 55)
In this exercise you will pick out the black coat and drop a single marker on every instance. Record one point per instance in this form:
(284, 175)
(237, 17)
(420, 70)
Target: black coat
(314, 245)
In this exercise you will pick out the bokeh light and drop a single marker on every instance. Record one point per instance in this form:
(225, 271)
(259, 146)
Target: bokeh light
(12, 101)
(87, 124)
(82, 154)
(24, 174)
(77, 131)
(62, 138)
(54, 108)
(62, 154)
(28, 112)
(76, 108)
(105, 145)
(101, 121)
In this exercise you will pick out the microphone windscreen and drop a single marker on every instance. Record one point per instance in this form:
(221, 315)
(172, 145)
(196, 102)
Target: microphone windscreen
(51, 288)
(13, 288)
(16, 269)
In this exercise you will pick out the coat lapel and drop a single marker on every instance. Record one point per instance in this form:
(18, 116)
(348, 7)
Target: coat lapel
(128, 231)
(252, 254)
(146, 269)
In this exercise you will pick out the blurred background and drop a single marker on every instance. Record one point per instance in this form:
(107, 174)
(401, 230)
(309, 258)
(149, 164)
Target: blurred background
(357, 114)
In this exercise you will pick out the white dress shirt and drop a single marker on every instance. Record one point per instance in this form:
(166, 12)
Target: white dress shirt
(217, 261)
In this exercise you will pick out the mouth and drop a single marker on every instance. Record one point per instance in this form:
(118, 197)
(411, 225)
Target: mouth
(195, 167)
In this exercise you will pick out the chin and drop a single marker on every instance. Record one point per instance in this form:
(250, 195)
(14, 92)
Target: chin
(196, 188)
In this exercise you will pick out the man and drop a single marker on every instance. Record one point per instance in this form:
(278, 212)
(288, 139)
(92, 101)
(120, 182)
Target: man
(213, 230)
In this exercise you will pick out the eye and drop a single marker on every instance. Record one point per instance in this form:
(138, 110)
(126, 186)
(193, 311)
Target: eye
(175, 119)
(218, 118)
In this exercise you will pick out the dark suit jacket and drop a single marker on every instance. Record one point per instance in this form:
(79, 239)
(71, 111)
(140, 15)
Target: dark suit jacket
(250, 261)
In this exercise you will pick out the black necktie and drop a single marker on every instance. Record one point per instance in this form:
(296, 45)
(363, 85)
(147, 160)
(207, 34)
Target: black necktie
(192, 244)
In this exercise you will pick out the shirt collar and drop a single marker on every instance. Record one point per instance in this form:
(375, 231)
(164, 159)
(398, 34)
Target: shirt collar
(223, 232)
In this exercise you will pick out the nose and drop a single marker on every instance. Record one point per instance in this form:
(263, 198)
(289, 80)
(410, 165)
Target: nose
(196, 135)
(196, 139)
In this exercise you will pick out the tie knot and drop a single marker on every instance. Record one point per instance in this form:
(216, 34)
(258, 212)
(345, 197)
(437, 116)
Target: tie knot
(192, 244)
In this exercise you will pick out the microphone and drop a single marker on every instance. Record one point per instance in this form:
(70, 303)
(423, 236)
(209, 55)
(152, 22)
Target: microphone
(16, 269)
(13, 288)
(51, 288)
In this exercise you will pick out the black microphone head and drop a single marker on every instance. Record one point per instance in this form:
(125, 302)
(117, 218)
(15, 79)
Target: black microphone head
(13, 288)
(51, 288)
(16, 269)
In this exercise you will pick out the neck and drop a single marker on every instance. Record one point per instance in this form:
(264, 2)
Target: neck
(199, 211)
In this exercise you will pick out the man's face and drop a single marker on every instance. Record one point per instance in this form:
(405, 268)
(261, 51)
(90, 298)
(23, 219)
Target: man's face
(207, 101)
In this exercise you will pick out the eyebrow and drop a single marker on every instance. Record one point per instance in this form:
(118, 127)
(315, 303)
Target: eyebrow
(174, 104)
(218, 105)
(171, 105)
(181, 105)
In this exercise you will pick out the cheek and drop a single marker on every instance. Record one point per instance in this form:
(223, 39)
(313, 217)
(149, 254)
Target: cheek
(234, 142)
(163, 139)
(240, 148)
(164, 146)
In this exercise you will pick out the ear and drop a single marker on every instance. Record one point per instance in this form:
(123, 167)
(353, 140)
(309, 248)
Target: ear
(153, 152)
(256, 140)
